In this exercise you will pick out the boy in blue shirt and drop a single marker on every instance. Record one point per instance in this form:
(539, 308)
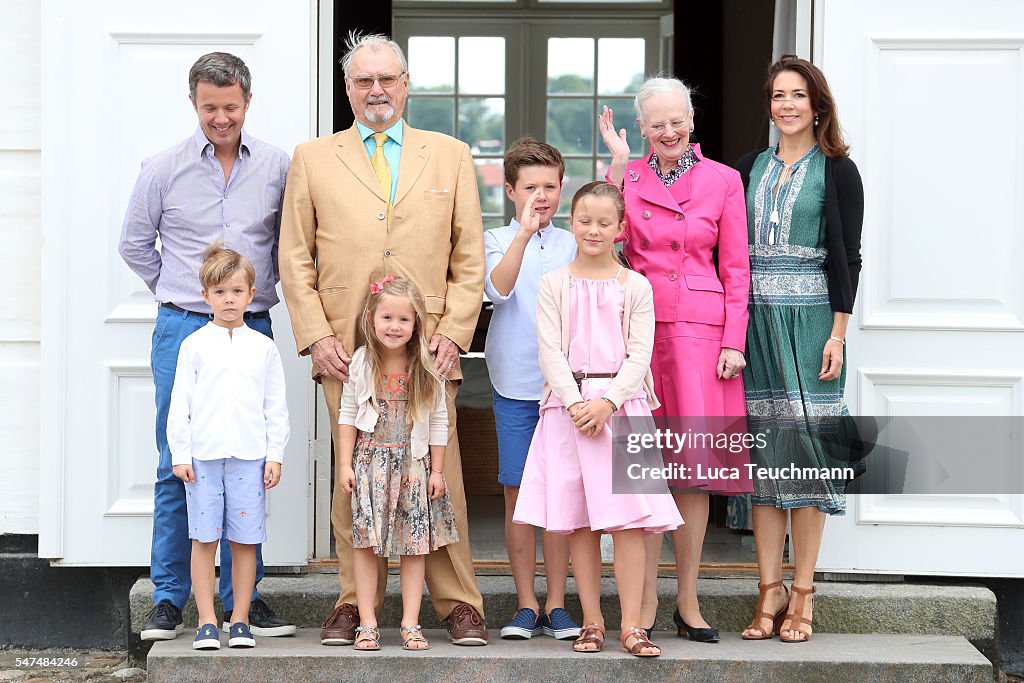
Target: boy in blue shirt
(518, 255)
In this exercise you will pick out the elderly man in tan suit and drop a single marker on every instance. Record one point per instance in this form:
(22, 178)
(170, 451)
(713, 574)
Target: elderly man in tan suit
(384, 198)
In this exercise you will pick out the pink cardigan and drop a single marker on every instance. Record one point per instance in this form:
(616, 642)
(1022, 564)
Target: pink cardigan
(553, 338)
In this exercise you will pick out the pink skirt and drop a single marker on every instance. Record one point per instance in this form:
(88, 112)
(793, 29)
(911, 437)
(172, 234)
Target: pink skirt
(695, 400)
(567, 481)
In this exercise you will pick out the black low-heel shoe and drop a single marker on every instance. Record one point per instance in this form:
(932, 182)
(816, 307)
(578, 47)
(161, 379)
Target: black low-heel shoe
(698, 635)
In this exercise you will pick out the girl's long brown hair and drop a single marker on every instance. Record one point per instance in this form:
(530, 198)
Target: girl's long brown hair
(422, 381)
(828, 133)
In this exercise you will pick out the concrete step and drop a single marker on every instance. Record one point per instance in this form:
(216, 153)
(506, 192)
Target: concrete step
(848, 608)
(829, 658)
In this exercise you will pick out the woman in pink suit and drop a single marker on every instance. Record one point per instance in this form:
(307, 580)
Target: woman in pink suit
(687, 233)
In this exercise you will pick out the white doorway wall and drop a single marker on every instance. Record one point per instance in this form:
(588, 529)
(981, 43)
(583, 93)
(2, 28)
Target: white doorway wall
(931, 97)
(115, 90)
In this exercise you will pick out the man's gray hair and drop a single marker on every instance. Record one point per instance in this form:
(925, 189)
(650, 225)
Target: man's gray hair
(660, 85)
(220, 69)
(374, 41)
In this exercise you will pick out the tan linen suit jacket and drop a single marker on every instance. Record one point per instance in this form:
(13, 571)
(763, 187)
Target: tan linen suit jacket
(336, 240)
(335, 237)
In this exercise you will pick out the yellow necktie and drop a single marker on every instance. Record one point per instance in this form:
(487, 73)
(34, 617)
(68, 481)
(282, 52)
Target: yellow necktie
(381, 169)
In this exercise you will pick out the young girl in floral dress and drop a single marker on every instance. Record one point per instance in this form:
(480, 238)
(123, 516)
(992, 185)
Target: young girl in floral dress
(393, 432)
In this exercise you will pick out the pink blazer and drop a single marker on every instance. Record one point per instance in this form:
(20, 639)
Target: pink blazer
(671, 235)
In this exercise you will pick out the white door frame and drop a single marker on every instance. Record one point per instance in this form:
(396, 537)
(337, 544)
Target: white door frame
(99, 119)
(945, 347)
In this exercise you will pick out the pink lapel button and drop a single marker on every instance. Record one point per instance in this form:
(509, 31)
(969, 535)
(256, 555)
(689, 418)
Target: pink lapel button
(646, 215)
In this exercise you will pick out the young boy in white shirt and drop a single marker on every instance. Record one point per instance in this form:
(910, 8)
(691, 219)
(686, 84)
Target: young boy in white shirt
(227, 427)
(518, 255)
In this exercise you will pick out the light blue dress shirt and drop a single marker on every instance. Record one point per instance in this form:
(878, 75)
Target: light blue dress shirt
(511, 349)
(181, 198)
(392, 149)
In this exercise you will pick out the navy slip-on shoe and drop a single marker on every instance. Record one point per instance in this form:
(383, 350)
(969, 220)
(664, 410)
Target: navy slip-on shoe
(207, 638)
(241, 636)
(523, 626)
(559, 625)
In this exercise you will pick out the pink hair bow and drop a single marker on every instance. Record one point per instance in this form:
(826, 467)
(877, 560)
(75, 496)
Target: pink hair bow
(378, 287)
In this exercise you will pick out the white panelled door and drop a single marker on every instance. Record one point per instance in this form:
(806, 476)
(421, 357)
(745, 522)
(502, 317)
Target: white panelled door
(931, 96)
(115, 90)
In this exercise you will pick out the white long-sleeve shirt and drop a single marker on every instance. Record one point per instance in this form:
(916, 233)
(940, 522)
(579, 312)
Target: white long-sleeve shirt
(228, 399)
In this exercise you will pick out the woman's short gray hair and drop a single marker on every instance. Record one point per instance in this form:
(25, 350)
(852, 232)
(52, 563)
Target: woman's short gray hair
(374, 41)
(660, 85)
(221, 69)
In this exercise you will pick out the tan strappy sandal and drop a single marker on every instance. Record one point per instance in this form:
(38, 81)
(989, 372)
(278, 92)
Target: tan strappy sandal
(760, 614)
(642, 641)
(592, 634)
(797, 615)
(415, 635)
(367, 634)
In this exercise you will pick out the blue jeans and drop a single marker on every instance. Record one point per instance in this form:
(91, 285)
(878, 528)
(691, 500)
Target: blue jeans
(170, 559)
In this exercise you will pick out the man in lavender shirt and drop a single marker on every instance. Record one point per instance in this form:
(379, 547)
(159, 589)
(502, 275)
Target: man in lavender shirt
(218, 184)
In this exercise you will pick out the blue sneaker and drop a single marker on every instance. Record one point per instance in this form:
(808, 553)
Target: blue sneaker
(207, 638)
(559, 625)
(241, 636)
(524, 625)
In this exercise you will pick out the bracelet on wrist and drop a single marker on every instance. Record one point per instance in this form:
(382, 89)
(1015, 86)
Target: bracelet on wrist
(834, 338)
(433, 471)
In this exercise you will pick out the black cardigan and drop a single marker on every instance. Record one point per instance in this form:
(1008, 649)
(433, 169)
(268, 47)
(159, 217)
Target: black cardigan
(844, 216)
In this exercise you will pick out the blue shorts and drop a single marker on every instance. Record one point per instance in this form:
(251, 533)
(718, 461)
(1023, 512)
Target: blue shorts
(515, 421)
(228, 500)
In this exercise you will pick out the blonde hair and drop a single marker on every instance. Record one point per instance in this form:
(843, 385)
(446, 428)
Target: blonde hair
(220, 263)
(422, 381)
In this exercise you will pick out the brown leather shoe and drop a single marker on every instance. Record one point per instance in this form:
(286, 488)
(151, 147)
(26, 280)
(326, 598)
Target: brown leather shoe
(465, 626)
(339, 628)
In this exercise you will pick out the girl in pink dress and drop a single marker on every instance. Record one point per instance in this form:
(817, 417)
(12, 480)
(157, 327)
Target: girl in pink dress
(595, 326)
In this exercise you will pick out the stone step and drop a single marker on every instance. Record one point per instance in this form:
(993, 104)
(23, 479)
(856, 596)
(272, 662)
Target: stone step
(829, 658)
(849, 608)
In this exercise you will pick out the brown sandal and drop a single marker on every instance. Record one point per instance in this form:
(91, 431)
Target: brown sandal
(760, 614)
(642, 641)
(797, 615)
(592, 634)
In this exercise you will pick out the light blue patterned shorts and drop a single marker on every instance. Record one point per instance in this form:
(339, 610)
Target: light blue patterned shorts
(227, 500)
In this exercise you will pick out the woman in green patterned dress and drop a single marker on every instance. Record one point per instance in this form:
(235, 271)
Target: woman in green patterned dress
(805, 205)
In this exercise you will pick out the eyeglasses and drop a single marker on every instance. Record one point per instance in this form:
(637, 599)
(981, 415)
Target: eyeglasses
(660, 127)
(385, 80)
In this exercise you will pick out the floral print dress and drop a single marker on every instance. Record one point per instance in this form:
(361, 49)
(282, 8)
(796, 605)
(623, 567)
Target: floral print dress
(391, 510)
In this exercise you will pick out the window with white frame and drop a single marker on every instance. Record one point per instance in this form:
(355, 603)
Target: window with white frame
(490, 81)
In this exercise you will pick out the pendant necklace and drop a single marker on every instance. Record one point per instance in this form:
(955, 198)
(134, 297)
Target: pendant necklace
(773, 218)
